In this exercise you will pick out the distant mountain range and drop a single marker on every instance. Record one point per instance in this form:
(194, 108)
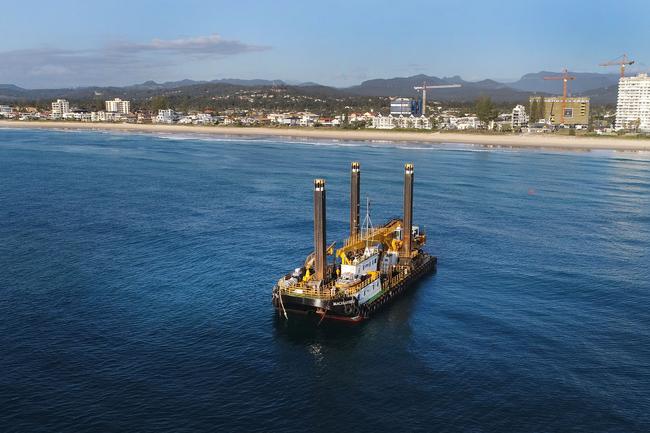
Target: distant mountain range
(234, 81)
(519, 90)
(602, 88)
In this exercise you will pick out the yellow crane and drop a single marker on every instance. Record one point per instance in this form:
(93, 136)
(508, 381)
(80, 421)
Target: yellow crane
(565, 78)
(622, 61)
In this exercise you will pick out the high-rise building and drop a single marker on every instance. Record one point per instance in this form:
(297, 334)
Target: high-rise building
(118, 106)
(59, 108)
(633, 106)
(519, 117)
(576, 109)
(402, 106)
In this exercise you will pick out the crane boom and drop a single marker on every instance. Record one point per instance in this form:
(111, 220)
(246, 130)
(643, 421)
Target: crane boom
(441, 86)
(424, 88)
(622, 61)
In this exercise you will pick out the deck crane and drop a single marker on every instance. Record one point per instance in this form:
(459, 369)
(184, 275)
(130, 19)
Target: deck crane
(424, 88)
(565, 77)
(622, 61)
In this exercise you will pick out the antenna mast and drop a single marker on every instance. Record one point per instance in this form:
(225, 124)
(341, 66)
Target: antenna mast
(367, 222)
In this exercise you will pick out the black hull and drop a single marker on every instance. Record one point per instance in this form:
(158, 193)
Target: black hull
(346, 309)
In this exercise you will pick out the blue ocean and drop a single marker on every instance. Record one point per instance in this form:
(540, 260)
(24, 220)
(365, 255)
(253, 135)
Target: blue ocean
(136, 273)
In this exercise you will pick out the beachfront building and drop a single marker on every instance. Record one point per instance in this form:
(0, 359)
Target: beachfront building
(284, 119)
(519, 117)
(6, 111)
(105, 116)
(383, 122)
(30, 116)
(359, 119)
(203, 119)
(633, 106)
(401, 121)
(195, 119)
(78, 115)
(60, 108)
(118, 106)
(143, 117)
(413, 122)
(164, 116)
(330, 121)
(503, 123)
(308, 119)
(226, 120)
(576, 110)
(463, 123)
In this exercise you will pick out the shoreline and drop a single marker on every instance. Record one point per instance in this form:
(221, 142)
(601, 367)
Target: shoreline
(530, 141)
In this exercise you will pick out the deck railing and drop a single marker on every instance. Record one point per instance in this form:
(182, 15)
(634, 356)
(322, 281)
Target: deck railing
(325, 291)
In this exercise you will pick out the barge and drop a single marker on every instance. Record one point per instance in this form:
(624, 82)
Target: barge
(373, 266)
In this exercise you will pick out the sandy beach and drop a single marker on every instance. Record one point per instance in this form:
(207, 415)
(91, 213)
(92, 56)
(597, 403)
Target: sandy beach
(548, 141)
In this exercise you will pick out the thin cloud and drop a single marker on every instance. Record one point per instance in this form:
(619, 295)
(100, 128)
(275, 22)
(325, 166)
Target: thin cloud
(50, 66)
(212, 44)
(53, 67)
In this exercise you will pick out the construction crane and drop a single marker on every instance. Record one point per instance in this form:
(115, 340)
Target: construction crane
(622, 61)
(424, 88)
(565, 77)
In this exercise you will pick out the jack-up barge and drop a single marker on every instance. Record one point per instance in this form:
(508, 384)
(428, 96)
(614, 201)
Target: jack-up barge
(373, 266)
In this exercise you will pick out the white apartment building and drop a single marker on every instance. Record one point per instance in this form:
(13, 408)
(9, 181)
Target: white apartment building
(404, 122)
(361, 117)
(118, 106)
(203, 119)
(285, 119)
(78, 115)
(164, 116)
(413, 122)
(308, 119)
(196, 119)
(5, 109)
(464, 123)
(60, 107)
(519, 117)
(383, 122)
(633, 106)
(105, 116)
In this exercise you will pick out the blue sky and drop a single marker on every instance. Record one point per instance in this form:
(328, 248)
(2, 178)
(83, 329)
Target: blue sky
(75, 43)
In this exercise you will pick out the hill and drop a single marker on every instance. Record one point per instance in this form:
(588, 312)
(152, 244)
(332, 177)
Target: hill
(584, 82)
(600, 87)
(403, 86)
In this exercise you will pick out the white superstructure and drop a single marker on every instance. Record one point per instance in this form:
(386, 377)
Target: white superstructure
(369, 291)
(362, 265)
(633, 106)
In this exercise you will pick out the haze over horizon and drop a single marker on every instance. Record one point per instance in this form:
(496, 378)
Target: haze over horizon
(339, 44)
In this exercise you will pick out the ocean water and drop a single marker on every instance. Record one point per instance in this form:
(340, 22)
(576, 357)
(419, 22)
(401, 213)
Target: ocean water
(136, 275)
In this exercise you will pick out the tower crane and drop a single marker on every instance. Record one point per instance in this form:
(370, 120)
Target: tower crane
(424, 88)
(622, 61)
(565, 77)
